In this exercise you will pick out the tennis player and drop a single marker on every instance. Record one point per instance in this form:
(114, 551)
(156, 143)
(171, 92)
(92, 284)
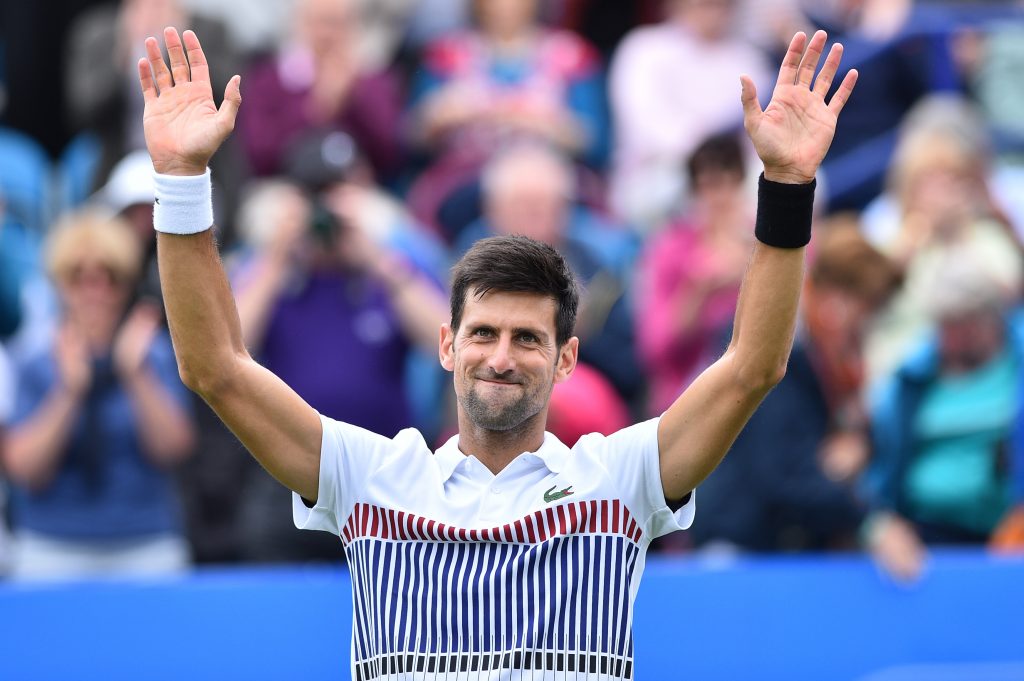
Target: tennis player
(504, 554)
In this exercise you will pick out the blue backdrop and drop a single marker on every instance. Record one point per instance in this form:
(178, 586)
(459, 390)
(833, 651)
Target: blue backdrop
(806, 618)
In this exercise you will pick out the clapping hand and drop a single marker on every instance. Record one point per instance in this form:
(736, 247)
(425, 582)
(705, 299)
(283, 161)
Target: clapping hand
(183, 126)
(793, 133)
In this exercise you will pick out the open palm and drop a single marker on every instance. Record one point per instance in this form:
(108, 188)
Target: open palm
(183, 127)
(793, 133)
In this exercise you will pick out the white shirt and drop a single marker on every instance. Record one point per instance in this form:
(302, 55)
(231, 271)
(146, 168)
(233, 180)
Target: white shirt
(531, 573)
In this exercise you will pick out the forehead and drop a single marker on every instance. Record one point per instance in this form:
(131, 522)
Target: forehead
(504, 309)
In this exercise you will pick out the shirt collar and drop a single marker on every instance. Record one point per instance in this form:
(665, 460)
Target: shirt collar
(553, 453)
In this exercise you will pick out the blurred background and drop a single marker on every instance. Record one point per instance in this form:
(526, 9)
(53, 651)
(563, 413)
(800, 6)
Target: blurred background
(377, 141)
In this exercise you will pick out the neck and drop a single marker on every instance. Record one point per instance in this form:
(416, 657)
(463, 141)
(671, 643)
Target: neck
(497, 448)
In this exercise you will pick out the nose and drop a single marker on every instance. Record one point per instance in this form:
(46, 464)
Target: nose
(501, 360)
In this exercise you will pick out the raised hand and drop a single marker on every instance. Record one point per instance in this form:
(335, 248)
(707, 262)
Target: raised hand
(136, 335)
(183, 127)
(793, 133)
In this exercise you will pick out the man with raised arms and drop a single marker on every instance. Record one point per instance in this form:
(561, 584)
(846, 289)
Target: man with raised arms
(504, 554)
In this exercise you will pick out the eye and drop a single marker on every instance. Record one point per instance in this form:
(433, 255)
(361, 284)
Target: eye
(527, 337)
(483, 332)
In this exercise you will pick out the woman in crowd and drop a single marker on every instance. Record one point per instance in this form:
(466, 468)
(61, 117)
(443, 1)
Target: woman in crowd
(100, 418)
(507, 79)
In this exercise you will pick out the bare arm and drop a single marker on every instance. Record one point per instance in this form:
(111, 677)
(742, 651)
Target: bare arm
(791, 136)
(36, 447)
(183, 130)
(165, 429)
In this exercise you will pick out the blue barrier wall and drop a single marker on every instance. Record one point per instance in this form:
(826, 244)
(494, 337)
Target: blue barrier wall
(821, 619)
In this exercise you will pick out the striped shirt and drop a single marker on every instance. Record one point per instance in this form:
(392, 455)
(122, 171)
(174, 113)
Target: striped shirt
(461, 574)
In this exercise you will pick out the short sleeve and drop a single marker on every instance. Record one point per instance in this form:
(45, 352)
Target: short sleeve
(347, 456)
(632, 459)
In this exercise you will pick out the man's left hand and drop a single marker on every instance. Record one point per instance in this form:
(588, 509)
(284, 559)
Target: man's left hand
(794, 132)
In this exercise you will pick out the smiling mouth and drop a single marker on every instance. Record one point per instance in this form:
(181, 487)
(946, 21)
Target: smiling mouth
(496, 382)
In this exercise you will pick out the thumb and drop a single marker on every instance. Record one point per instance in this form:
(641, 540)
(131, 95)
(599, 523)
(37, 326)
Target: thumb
(748, 97)
(232, 100)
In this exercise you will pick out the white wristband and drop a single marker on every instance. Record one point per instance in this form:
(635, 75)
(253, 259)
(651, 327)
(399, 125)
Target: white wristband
(183, 204)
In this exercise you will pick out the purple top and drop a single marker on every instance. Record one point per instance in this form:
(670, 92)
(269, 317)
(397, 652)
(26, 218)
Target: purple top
(336, 340)
(276, 114)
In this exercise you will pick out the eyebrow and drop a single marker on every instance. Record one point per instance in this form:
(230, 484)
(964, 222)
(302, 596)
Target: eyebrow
(542, 336)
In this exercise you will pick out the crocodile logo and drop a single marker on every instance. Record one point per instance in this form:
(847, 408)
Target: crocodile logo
(551, 495)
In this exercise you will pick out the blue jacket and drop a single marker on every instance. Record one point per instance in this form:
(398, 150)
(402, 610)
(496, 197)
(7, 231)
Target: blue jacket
(896, 401)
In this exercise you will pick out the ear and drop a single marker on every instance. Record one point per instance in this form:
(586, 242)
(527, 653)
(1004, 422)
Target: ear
(567, 355)
(446, 347)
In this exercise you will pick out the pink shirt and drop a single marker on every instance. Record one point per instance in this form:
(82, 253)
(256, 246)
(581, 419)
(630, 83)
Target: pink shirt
(673, 262)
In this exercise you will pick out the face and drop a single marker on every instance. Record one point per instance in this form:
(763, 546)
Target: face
(708, 19)
(969, 340)
(505, 358)
(505, 17)
(327, 25)
(837, 321)
(93, 294)
(531, 206)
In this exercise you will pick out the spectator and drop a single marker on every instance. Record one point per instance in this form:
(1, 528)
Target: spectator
(945, 463)
(689, 276)
(317, 83)
(508, 79)
(528, 190)
(659, 120)
(333, 270)
(788, 481)
(100, 417)
(938, 205)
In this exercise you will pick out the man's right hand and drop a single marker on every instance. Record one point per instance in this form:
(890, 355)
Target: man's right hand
(183, 126)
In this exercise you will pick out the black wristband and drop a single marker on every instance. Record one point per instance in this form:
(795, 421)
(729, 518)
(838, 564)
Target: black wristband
(784, 213)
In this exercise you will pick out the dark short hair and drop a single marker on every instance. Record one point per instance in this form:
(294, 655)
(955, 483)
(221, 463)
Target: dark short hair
(720, 153)
(517, 264)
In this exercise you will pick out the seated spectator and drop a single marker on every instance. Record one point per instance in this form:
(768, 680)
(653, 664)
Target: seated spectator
(945, 463)
(333, 270)
(318, 82)
(689, 275)
(507, 80)
(528, 189)
(788, 481)
(938, 204)
(100, 418)
(671, 86)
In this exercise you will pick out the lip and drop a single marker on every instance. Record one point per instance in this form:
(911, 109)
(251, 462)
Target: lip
(487, 380)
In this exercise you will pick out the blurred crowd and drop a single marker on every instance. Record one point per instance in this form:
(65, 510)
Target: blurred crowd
(378, 139)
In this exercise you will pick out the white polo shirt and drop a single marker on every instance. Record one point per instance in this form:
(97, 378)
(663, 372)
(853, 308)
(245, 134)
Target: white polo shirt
(459, 573)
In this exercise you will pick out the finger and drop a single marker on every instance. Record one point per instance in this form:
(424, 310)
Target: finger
(748, 97)
(841, 96)
(232, 100)
(196, 57)
(809, 64)
(156, 62)
(828, 72)
(176, 54)
(791, 62)
(146, 81)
